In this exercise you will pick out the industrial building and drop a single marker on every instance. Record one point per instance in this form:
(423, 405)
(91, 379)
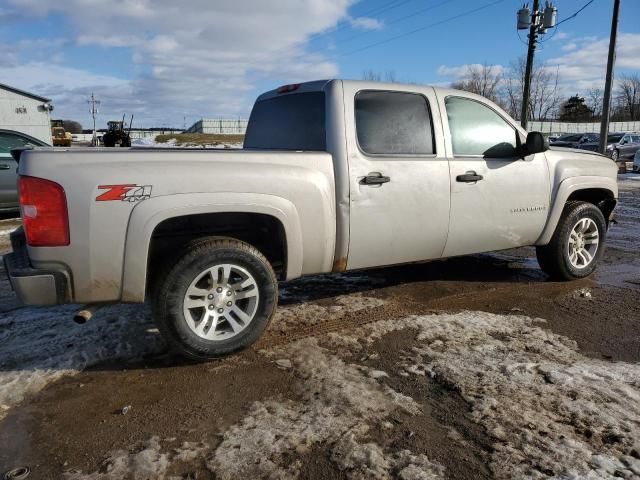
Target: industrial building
(25, 112)
(220, 126)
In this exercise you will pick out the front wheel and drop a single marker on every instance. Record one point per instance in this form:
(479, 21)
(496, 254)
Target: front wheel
(615, 155)
(218, 298)
(577, 243)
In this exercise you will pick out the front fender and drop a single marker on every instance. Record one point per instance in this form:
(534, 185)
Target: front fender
(562, 194)
(147, 215)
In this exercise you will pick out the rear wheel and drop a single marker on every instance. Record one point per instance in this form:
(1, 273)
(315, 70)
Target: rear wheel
(218, 298)
(576, 245)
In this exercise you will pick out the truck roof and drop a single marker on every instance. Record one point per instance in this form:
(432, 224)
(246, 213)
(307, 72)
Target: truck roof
(318, 85)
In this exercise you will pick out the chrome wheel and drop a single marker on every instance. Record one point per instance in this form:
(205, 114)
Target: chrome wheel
(583, 243)
(221, 302)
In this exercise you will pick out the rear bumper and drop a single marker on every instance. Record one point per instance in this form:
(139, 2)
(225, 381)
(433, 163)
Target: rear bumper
(33, 286)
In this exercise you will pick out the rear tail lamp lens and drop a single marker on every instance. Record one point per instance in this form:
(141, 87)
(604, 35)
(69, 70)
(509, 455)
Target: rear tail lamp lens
(43, 205)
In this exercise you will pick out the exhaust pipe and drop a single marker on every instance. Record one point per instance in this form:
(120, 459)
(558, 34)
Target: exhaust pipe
(85, 314)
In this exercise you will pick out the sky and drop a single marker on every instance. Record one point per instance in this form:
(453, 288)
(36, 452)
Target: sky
(172, 62)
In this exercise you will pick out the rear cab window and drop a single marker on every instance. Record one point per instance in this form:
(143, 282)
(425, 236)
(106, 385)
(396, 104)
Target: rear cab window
(293, 121)
(393, 123)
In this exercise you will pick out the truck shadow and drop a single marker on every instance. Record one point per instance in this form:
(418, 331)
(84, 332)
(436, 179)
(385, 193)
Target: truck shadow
(512, 266)
(39, 344)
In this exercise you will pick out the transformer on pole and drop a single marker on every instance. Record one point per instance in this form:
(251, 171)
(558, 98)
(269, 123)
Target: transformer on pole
(538, 22)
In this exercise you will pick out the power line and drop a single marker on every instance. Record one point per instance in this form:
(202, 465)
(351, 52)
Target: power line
(575, 14)
(435, 24)
(400, 19)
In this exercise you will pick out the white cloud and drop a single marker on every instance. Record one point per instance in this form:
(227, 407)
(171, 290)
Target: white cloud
(561, 36)
(569, 47)
(366, 23)
(200, 59)
(584, 66)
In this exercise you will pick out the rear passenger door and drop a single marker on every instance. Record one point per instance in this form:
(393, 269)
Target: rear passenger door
(398, 174)
(498, 200)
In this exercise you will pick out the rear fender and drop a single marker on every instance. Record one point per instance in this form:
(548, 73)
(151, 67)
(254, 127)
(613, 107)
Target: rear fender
(147, 215)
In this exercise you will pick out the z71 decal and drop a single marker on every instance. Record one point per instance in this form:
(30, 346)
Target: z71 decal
(125, 193)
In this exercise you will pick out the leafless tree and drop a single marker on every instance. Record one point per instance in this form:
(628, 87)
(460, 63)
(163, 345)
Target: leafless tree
(374, 76)
(629, 95)
(544, 97)
(482, 80)
(72, 126)
(594, 96)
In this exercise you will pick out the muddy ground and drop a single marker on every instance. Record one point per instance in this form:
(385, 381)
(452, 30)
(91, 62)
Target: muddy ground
(474, 367)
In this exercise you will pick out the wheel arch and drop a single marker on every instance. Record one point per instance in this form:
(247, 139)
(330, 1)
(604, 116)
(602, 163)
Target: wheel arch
(160, 214)
(600, 191)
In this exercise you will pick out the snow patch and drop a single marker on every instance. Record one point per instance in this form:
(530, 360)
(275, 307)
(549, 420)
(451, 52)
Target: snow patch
(340, 401)
(550, 410)
(147, 463)
(40, 345)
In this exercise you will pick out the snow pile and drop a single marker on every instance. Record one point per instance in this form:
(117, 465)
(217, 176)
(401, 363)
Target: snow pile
(40, 345)
(173, 143)
(151, 142)
(340, 401)
(550, 410)
(292, 317)
(147, 463)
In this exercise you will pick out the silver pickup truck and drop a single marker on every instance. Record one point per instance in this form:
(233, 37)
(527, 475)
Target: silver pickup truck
(334, 175)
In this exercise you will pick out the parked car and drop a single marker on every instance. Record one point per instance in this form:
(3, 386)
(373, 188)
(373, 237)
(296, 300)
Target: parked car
(9, 140)
(334, 176)
(619, 145)
(572, 140)
(636, 162)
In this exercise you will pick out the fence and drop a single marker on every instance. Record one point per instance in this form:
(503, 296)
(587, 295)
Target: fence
(220, 126)
(566, 127)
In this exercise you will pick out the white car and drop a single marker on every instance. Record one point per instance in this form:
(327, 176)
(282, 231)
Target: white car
(636, 162)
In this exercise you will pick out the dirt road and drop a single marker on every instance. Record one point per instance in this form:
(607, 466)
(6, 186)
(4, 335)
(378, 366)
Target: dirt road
(474, 367)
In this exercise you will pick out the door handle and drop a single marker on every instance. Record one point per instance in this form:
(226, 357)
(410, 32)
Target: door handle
(4, 166)
(469, 177)
(374, 178)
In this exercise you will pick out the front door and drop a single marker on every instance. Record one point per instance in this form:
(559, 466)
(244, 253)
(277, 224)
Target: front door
(498, 200)
(398, 175)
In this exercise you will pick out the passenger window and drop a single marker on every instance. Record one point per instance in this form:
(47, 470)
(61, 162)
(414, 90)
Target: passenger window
(478, 130)
(393, 123)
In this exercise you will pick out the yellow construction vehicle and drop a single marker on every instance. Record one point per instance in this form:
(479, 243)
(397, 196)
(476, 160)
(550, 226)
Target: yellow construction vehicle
(59, 137)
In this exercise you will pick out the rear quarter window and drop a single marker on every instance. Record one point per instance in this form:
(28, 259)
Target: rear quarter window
(288, 122)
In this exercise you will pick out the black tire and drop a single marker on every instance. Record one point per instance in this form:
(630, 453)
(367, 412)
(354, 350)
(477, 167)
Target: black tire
(172, 288)
(553, 258)
(615, 155)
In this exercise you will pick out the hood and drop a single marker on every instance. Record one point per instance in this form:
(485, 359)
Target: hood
(562, 143)
(578, 151)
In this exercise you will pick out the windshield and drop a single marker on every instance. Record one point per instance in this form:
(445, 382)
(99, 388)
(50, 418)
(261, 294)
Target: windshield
(613, 138)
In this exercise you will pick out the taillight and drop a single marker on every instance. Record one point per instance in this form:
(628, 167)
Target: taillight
(44, 212)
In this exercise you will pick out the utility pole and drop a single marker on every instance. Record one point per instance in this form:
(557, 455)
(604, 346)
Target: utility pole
(538, 23)
(606, 104)
(93, 110)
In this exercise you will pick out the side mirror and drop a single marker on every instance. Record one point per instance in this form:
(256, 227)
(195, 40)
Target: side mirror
(535, 143)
